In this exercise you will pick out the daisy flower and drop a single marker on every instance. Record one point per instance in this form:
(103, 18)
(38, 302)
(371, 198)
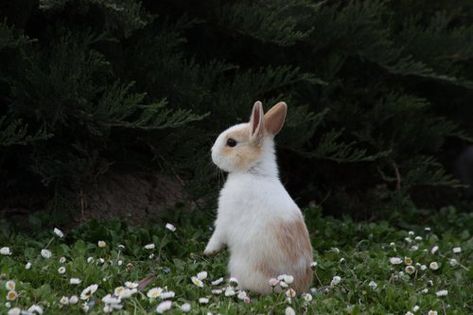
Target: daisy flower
(395, 260)
(58, 232)
(442, 293)
(457, 250)
(5, 251)
(12, 295)
(89, 291)
(154, 293)
(170, 227)
(289, 311)
(10, 285)
(186, 307)
(202, 275)
(46, 253)
(217, 282)
(196, 281)
(434, 265)
(150, 246)
(35, 309)
(335, 280)
(75, 281)
(163, 307)
(101, 244)
(61, 270)
(203, 300)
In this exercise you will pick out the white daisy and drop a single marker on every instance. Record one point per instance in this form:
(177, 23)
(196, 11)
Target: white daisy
(101, 244)
(28, 266)
(442, 293)
(12, 295)
(431, 312)
(64, 300)
(150, 246)
(186, 307)
(90, 260)
(111, 299)
(126, 293)
(196, 281)
(170, 227)
(203, 300)
(335, 280)
(289, 311)
(131, 285)
(10, 285)
(217, 282)
(233, 281)
(410, 269)
(434, 249)
(58, 232)
(75, 281)
(61, 270)
(35, 309)
(291, 293)
(154, 293)
(14, 311)
(217, 291)
(457, 250)
(453, 262)
(46, 253)
(288, 279)
(202, 275)
(434, 265)
(242, 295)
(395, 260)
(307, 297)
(415, 308)
(229, 291)
(273, 282)
(62, 260)
(373, 285)
(163, 307)
(73, 299)
(89, 291)
(5, 251)
(167, 295)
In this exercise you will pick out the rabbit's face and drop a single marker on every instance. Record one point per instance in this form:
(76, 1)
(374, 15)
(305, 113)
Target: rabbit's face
(234, 150)
(240, 147)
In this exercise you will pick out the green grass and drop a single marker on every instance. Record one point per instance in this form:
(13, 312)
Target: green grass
(357, 252)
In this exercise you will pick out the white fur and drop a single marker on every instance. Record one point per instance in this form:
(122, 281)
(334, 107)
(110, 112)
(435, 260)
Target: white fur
(250, 201)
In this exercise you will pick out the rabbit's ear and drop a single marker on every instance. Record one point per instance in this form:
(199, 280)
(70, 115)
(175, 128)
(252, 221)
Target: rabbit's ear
(275, 117)
(257, 122)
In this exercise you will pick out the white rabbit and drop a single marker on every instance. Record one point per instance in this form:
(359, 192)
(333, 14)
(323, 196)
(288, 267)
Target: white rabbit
(257, 219)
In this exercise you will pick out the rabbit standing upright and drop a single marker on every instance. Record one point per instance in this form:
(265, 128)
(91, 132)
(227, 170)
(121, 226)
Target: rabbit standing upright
(257, 219)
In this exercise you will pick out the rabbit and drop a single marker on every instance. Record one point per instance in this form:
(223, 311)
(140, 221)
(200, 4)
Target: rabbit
(257, 219)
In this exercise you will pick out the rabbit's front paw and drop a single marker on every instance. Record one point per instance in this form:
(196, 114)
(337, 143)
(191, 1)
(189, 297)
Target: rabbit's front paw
(212, 249)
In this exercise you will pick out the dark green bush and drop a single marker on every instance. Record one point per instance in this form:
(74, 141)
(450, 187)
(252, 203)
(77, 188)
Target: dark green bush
(379, 93)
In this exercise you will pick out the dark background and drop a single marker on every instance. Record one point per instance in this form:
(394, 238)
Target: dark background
(106, 103)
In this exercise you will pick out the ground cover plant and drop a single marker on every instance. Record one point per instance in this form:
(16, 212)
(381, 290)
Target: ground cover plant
(360, 268)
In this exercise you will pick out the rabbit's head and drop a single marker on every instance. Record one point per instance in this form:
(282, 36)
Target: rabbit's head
(244, 146)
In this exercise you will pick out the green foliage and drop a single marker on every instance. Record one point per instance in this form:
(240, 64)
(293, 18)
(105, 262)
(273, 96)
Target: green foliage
(357, 252)
(377, 90)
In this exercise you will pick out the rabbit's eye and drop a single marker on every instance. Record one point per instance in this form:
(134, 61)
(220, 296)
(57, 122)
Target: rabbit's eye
(231, 142)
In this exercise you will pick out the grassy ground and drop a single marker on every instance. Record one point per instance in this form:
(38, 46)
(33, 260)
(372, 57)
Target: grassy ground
(359, 253)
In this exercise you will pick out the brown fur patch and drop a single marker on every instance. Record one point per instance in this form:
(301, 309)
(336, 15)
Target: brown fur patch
(293, 238)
